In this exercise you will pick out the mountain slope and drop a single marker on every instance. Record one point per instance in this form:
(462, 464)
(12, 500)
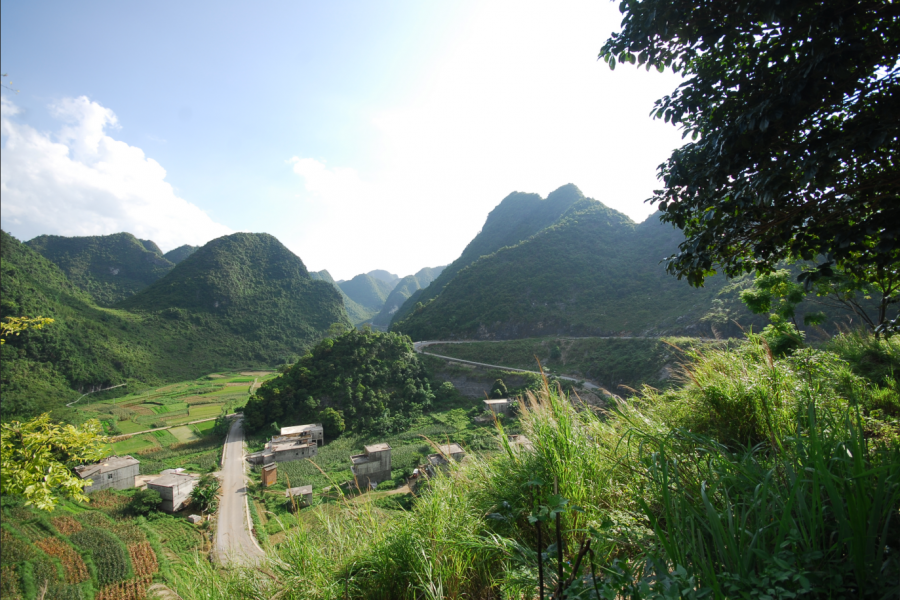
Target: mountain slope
(384, 276)
(180, 253)
(253, 286)
(367, 291)
(356, 313)
(516, 218)
(593, 272)
(269, 312)
(405, 288)
(108, 267)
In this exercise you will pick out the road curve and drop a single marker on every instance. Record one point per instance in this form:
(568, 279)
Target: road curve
(419, 347)
(234, 542)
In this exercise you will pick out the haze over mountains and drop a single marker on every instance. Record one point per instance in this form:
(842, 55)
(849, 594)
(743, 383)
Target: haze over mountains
(125, 312)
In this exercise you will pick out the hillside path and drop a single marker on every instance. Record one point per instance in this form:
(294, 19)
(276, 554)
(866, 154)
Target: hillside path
(419, 347)
(234, 542)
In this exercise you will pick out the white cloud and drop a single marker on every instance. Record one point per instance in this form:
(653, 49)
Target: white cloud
(81, 181)
(518, 102)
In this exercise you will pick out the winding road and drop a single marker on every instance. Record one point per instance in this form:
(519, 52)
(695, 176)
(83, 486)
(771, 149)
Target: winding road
(235, 544)
(419, 347)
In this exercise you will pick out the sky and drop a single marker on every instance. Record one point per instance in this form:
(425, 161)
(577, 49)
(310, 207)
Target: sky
(362, 135)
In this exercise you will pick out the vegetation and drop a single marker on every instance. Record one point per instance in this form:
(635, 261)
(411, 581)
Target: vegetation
(403, 289)
(373, 380)
(36, 458)
(205, 495)
(367, 291)
(94, 550)
(180, 253)
(268, 312)
(791, 108)
(144, 502)
(757, 477)
(108, 267)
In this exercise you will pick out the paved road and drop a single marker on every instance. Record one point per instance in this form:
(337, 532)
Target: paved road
(234, 542)
(419, 347)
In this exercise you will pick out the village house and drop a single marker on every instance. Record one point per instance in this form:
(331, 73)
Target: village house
(115, 472)
(174, 487)
(441, 459)
(302, 494)
(284, 449)
(498, 406)
(373, 466)
(313, 432)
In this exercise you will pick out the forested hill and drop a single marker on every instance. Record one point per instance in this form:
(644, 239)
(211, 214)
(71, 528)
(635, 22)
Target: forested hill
(242, 301)
(180, 253)
(367, 291)
(404, 288)
(517, 217)
(592, 272)
(108, 267)
(252, 284)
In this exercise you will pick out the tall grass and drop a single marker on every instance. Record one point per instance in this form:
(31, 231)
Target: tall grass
(758, 477)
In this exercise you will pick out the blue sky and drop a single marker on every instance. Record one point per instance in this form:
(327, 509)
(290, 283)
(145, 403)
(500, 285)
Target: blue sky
(362, 135)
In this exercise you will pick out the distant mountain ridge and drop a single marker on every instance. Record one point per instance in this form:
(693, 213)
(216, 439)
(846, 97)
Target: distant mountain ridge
(517, 217)
(405, 288)
(108, 267)
(590, 272)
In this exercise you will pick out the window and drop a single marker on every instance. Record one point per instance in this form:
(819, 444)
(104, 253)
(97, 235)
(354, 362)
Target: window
(109, 476)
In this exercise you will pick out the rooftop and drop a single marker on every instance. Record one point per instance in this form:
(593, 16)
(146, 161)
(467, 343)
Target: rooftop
(303, 490)
(300, 428)
(503, 401)
(109, 464)
(282, 445)
(171, 479)
(449, 449)
(378, 448)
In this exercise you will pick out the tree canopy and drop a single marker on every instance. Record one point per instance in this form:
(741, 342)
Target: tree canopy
(793, 109)
(364, 380)
(36, 458)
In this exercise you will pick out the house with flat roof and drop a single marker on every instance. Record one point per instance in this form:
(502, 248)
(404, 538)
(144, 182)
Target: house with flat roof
(115, 472)
(441, 460)
(498, 406)
(313, 432)
(373, 466)
(284, 449)
(174, 488)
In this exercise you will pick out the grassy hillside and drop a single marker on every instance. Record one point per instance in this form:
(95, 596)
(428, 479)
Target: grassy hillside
(736, 522)
(516, 218)
(108, 267)
(269, 313)
(367, 291)
(180, 253)
(402, 291)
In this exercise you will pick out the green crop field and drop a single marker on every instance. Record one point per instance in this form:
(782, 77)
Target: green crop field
(184, 433)
(171, 405)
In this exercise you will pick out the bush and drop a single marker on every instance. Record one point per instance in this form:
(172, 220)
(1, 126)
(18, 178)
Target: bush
(144, 502)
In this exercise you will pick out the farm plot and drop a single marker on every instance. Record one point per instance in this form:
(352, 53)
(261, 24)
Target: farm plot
(172, 405)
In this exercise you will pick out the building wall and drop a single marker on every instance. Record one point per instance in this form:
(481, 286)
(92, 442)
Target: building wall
(174, 497)
(297, 454)
(120, 479)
